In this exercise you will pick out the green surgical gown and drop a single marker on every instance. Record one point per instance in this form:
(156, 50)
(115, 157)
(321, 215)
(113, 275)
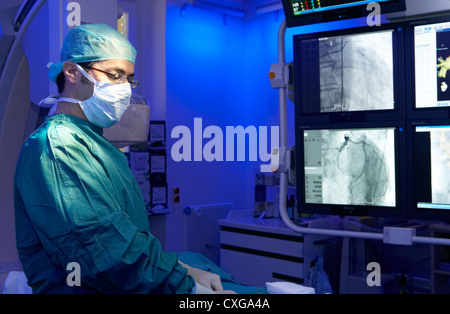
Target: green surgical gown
(76, 200)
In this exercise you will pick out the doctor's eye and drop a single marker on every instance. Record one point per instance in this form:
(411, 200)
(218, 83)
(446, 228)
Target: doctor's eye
(115, 77)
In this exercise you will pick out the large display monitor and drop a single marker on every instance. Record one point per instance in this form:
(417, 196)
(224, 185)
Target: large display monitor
(429, 170)
(350, 75)
(428, 57)
(352, 170)
(303, 12)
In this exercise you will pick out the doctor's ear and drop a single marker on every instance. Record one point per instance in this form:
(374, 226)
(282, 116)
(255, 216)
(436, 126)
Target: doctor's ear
(71, 72)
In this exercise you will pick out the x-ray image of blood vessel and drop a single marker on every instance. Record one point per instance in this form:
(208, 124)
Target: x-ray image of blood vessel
(358, 167)
(440, 166)
(357, 72)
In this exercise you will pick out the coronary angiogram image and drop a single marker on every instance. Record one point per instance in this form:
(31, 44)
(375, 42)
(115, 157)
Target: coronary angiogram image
(357, 72)
(357, 167)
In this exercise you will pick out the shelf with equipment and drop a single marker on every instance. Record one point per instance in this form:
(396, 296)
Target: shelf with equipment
(440, 261)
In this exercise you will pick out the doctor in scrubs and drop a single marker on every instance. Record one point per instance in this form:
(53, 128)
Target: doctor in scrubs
(76, 199)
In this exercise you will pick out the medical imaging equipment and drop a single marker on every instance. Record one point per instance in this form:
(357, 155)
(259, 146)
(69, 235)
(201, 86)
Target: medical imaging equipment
(351, 170)
(427, 95)
(429, 164)
(402, 146)
(303, 12)
(428, 62)
(420, 9)
(349, 75)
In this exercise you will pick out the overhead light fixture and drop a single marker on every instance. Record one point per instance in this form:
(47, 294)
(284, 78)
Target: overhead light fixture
(225, 10)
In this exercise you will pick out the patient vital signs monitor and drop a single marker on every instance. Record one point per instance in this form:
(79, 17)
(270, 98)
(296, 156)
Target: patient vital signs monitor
(302, 12)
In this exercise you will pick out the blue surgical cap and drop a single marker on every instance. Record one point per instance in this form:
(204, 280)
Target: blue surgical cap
(90, 43)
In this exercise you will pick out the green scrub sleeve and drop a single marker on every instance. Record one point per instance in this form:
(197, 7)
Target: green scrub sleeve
(80, 215)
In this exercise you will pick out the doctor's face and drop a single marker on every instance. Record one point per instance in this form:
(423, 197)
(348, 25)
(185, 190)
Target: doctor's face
(117, 71)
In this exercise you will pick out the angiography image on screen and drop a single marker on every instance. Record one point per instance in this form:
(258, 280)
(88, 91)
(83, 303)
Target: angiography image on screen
(347, 73)
(440, 165)
(350, 167)
(357, 72)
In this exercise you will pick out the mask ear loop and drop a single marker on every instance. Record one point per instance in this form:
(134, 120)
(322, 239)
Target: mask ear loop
(86, 75)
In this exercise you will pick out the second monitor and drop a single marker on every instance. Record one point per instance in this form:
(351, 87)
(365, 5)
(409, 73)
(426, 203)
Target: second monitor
(351, 170)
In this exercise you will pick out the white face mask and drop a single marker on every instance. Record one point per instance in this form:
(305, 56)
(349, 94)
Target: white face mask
(108, 103)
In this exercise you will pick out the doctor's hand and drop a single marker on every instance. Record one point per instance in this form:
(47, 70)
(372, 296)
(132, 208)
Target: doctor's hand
(206, 279)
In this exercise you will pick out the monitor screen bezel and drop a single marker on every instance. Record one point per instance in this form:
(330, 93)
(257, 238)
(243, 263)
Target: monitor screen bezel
(413, 113)
(399, 211)
(397, 113)
(414, 212)
(337, 14)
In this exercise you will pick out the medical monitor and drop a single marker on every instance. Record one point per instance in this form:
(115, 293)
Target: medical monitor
(429, 61)
(429, 170)
(304, 12)
(349, 75)
(350, 170)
